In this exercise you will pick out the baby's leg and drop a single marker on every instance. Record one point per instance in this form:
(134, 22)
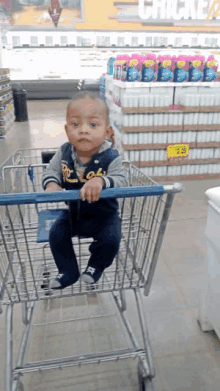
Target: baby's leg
(63, 252)
(107, 237)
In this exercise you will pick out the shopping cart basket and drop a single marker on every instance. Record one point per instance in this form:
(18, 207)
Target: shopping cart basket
(27, 265)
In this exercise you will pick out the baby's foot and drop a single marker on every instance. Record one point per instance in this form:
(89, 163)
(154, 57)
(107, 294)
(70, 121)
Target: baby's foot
(63, 280)
(91, 275)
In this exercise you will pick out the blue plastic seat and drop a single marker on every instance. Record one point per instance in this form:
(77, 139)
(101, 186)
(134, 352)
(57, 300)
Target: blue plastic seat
(46, 218)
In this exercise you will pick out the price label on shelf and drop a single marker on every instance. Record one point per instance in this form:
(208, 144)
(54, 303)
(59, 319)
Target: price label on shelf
(177, 150)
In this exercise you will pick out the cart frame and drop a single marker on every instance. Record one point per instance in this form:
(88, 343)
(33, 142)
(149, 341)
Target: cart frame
(11, 295)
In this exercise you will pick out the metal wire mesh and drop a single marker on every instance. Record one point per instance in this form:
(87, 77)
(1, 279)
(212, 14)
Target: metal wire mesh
(26, 267)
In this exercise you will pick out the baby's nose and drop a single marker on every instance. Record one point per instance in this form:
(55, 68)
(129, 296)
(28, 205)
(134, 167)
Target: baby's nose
(84, 128)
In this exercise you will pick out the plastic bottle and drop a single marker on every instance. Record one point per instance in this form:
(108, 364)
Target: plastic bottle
(141, 101)
(146, 100)
(141, 120)
(124, 67)
(110, 66)
(116, 67)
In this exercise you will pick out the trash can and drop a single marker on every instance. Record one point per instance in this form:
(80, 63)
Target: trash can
(209, 311)
(20, 104)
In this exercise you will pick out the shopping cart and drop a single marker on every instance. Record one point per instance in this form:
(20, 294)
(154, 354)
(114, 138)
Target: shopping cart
(27, 265)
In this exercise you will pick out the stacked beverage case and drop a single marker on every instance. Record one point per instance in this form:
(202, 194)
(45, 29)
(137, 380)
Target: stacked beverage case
(151, 116)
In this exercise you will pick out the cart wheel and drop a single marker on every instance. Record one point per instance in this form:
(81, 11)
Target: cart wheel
(145, 383)
(20, 386)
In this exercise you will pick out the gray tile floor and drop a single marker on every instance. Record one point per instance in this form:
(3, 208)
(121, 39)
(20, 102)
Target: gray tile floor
(185, 358)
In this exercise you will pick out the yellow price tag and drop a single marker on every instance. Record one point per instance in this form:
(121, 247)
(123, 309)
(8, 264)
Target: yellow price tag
(9, 107)
(177, 150)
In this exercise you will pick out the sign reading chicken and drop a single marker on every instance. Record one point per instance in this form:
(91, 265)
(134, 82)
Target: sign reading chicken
(179, 13)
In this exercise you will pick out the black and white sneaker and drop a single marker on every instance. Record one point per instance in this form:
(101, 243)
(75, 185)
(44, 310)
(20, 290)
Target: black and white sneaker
(63, 280)
(91, 275)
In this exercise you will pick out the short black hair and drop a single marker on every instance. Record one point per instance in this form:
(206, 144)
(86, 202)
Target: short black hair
(91, 95)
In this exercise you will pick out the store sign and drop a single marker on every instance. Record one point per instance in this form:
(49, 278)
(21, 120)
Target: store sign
(177, 150)
(177, 12)
(55, 11)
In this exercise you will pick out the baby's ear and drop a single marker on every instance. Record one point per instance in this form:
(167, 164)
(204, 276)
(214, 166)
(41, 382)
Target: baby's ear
(110, 134)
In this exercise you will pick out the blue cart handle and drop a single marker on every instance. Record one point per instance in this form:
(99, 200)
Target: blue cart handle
(71, 195)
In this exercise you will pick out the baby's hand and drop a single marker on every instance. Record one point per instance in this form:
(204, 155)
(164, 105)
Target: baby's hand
(92, 190)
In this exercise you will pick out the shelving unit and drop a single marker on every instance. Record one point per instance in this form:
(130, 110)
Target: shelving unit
(7, 116)
(145, 144)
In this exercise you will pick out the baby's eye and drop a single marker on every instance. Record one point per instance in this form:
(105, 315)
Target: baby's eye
(75, 124)
(93, 124)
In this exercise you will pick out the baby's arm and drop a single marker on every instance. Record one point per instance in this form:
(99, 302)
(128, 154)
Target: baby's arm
(51, 180)
(52, 186)
(115, 175)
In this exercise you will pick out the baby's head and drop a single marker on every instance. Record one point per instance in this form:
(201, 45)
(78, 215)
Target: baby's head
(87, 123)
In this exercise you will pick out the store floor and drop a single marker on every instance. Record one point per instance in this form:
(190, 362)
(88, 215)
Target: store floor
(185, 358)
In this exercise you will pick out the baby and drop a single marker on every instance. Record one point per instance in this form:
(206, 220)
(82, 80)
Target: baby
(88, 162)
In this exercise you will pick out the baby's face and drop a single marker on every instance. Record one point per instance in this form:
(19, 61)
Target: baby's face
(86, 125)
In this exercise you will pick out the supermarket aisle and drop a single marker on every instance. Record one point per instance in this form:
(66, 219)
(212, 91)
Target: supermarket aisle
(185, 358)
(44, 130)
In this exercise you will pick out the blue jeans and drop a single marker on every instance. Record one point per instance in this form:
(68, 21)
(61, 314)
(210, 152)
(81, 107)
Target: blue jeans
(105, 232)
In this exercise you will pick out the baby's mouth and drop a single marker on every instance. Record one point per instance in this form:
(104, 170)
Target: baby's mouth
(84, 139)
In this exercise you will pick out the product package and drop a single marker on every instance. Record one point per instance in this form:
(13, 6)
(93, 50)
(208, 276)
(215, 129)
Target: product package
(196, 68)
(124, 67)
(110, 66)
(117, 65)
(210, 69)
(181, 71)
(149, 68)
(166, 65)
(134, 68)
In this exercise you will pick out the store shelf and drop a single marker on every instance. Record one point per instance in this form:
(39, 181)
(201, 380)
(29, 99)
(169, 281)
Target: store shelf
(4, 71)
(202, 127)
(5, 90)
(4, 78)
(166, 110)
(5, 98)
(141, 129)
(176, 162)
(128, 85)
(146, 110)
(198, 109)
(168, 128)
(7, 116)
(177, 178)
(139, 147)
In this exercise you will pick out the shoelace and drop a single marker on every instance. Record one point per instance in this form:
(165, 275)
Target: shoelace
(60, 275)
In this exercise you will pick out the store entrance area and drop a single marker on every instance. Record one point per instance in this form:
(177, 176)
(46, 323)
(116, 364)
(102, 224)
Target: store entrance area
(45, 128)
